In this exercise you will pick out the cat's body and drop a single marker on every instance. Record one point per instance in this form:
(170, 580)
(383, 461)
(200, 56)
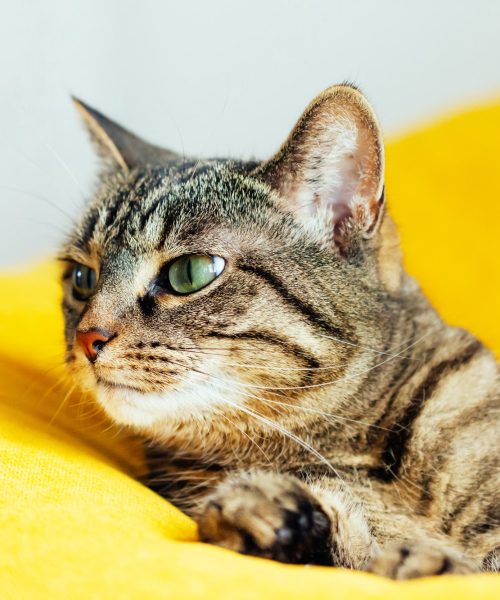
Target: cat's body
(307, 404)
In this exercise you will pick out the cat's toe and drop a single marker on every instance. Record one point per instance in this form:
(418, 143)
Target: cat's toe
(271, 517)
(412, 560)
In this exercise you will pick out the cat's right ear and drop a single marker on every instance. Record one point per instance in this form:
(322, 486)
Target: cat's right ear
(119, 148)
(329, 172)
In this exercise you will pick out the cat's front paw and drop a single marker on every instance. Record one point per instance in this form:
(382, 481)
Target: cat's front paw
(418, 559)
(267, 515)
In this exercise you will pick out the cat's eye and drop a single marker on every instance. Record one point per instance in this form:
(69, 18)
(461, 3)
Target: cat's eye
(84, 282)
(193, 272)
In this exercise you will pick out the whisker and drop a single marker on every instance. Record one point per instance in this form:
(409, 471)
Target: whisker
(281, 369)
(195, 169)
(59, 408)
(220, 413)
(226, 384)
(286, 433)
(39, 197)
(329, 337)
(325, 414)
(44, 372)
(60, 230)
(65, 167)
(253, 366)
(335, 381)
(278, 427)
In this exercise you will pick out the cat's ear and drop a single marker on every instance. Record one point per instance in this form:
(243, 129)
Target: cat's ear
(331, 166)
(118, 147)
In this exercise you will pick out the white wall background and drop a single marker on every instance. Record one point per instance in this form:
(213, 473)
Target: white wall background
(211, 77)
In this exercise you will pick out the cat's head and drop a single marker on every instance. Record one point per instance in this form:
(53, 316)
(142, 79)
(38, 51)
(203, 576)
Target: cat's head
(204, 290)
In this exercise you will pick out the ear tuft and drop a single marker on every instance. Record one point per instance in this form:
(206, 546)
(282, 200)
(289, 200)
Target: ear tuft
(120, 148)
(331, 165)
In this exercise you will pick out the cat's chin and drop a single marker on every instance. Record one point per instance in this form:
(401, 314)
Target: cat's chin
(146, 411)
(126, 406)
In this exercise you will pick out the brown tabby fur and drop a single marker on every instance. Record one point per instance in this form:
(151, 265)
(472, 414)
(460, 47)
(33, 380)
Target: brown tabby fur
(309, 405)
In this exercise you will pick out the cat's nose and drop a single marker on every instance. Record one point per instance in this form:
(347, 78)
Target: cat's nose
(93, 341)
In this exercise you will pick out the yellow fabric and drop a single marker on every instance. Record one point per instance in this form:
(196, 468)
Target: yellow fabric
(443, 188)
(75, 524)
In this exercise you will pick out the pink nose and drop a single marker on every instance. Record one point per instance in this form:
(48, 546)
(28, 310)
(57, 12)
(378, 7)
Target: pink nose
(93, 341)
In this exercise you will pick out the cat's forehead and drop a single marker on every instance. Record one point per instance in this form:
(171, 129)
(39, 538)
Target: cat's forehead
(148, 210)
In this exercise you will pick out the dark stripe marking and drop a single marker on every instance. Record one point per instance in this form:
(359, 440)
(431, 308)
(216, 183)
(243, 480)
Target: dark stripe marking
(487, 521)
(88, 229)
(145, 216)
(168, 224)
(290, 348)
(398, 440)
(397, 384)
(113, 208)
(305, 309)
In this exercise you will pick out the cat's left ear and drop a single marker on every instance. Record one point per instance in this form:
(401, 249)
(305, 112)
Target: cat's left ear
(118, 147)
(331, 166)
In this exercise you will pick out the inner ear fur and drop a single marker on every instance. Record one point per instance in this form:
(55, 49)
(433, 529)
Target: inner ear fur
(118, 147)
(332, 163)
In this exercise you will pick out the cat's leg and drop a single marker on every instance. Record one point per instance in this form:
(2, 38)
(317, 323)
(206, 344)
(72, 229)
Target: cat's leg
(407, 546)
(279, 517)
(410, 545)
(408, 560)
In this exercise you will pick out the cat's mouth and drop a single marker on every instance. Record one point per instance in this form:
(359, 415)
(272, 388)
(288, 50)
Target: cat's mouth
(126, 404)
(195, 395)
(111, 385)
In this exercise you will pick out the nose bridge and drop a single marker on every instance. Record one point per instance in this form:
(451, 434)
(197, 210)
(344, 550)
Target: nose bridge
(113, 297)
(103, 311)
(121, 280)
(100, 323)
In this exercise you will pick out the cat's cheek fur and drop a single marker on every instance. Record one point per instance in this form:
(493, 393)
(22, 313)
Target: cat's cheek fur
(195, 397)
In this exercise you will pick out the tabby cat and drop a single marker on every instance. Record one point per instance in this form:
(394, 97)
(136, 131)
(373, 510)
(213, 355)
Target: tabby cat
(297, 394)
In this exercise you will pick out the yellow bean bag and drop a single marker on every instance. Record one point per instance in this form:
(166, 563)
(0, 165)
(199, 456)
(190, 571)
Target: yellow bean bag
(73, 521)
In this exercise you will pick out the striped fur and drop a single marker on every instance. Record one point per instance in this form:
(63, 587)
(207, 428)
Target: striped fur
(309, 405)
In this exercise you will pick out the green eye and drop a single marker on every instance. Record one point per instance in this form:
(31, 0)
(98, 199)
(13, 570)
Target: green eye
(193, 272)
(84, 282)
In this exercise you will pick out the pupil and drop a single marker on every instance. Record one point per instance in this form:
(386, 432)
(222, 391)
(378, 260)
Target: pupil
(84, 279)
(98, 345)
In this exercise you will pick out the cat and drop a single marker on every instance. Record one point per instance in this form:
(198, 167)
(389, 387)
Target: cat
(297, 394)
